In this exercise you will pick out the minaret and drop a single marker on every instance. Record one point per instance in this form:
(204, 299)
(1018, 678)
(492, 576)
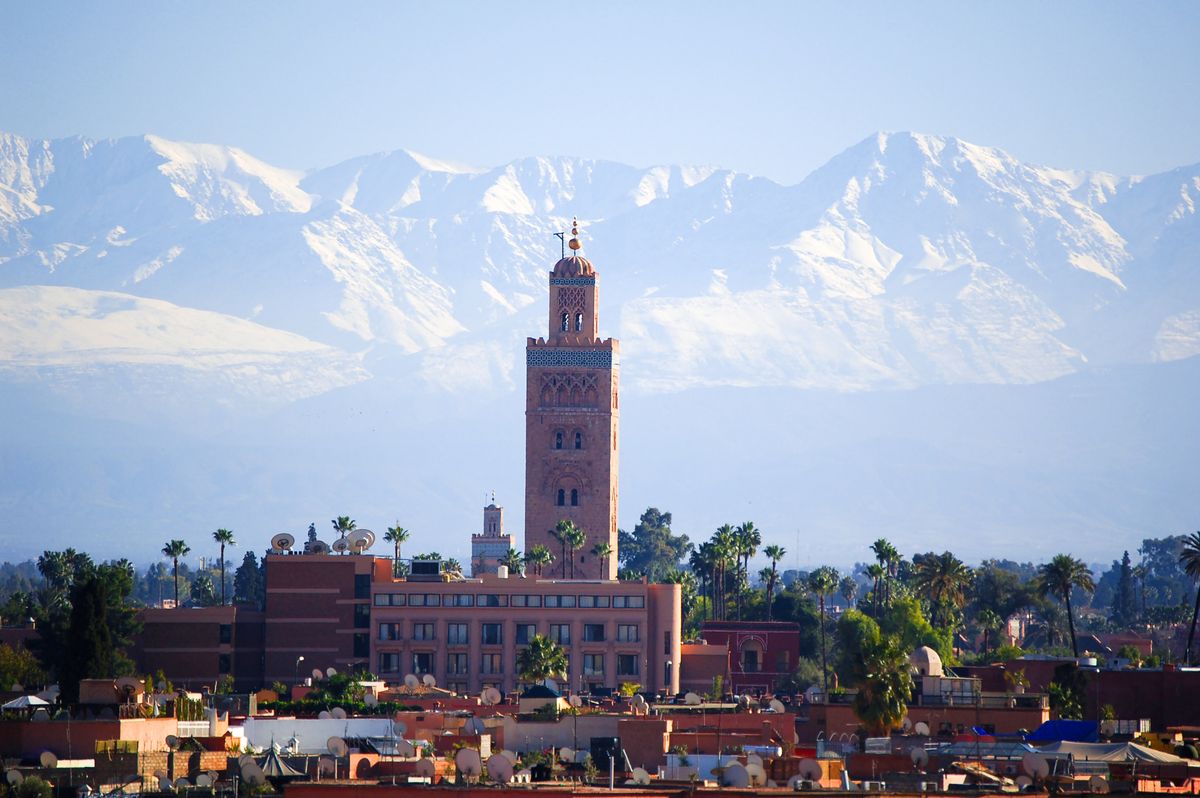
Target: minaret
(571, 422)
(492, 544)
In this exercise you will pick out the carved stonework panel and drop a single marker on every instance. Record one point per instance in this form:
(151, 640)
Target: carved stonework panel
(568, 390)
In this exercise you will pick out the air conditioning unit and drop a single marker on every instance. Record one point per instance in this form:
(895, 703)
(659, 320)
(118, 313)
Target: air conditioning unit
(872, 786)
(931, 786)
(804, 784)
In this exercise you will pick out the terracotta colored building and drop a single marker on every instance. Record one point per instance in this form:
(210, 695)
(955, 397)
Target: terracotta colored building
(197, 646)
(761, 653)
(572, 416)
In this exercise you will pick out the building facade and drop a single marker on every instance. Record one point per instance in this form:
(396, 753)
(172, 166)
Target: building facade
(492, 544)
(572, 417)
(198, 646)
(761, 653)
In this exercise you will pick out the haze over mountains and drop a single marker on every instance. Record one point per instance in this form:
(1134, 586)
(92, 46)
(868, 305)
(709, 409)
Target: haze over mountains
(924, 336)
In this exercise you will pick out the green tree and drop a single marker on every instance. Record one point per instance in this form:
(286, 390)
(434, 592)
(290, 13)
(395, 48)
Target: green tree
(602, 551)
(564, 532)
(343, 525)
(823, 582)
(652, 550)
(396, 535)
(512, 561)
(885, 689)
(774, 553)
(989, 622)
(1124, 600)
(1189, 560)
(202, 593)
(176, 549)
(576, 540)
(888, 558)
(248, 584)
(806, 673)
(724, 555)
(88, 645)
(225, 538)
(1059, 577)
(848, 587)
(944, 579)
(538, 558)
(747, 539)
(32, 787)
(540, 660)
(19, 666)
(876, 573)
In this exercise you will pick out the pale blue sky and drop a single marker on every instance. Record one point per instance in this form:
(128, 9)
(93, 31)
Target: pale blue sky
(770, 88)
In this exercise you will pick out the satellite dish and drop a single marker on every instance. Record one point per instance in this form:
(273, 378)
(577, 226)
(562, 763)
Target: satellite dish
(906, 724)
(753, 759)
(758, 776)
(639, 700)
(172, 742)
(336, 746)
(692, 699)
(810, 770)
(566, 754)
(360, 540)
(331, 671)
(920, 757)
(212, 776)
(428, 680)
(324, 715)
(254, 776)
(499, 768)
(204, 780)
(164, 784)
(1024, 782)
(405, 748)
(1098, 784)
(425, 768)
(160, 774)
(13, 776)
(318, 674)
(182, 783)
(337, 713)
(399, 726)
(371, 700)
(340, 546)
(283, 542)
(490, 696)
(735, 776)
(327, 766)
(777, 706)
(474, 726)
(316, 547)
(411, 681)
(129, 684)
(921, 728)
(511, 755)
(243, 760)
(468, 762)
(575, 701)
(640, 776)
(1036, 766)
(48, 759)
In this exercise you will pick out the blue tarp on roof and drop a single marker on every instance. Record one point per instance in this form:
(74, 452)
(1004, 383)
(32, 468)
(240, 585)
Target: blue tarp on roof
(1071, 731)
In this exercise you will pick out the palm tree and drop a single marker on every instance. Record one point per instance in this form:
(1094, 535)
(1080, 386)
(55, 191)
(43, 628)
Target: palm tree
(883, 695)
(542, 659)
(774, 554)
(1059, 577)
(944, 580)
(562, 533)
(723, 551)
(1189, 559)
(176, 549)
(343, 525)
(888, 558)
(747, 539)
(512, 561)
(538, 558)
(876, 572)
(848, 587)
(700, 561)
(823, 582)
(1140, 572)
(396, 535)
(453, 566)
(989, 622)
(575, 541)
(225, 538)
(603, 551)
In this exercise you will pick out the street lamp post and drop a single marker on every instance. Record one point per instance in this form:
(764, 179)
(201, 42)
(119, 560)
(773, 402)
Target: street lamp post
(299, 659)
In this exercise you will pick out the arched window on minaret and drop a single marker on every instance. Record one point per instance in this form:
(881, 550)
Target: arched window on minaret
(566, 322)
(574, 497)
(578, 322)
(578, 440)
(558, 440)
(561, 499)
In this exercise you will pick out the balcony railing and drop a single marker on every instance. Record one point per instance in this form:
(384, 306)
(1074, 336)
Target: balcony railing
(1026, 701)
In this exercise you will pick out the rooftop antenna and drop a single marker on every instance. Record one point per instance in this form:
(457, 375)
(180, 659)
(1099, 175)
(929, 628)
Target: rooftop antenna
(562, 242)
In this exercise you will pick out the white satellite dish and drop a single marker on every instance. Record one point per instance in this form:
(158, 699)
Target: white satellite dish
(425, 768)
(331, 671)
(920, 757)
(340, 546)
(758, 776)
(566, 754)
(48, 759)
(692, 699)
(327, 766)
(172, 742)
(336, 746)
(735, 776)
(1098, 784)
(337, 713)
(13, 776)
(429, 680)
(164, 784)
(906, 725)
(324, 714)
(316, 547)
(254, 776)
(639, 700)
(411, 681)
(129, 684)
(753, 759)
(468, 762)
(490, 696)
(204, 780)
(405, 748)
(640, 776)
(282, 542)
(499, 768)
(1036, 766)
(921, 728)
(360, 540)
(182, 783)
(318, 674)
(777, 706)
(810, 770)
(575, 701)
(371, 700)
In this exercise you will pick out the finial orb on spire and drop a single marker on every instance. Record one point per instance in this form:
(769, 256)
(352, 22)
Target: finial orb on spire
(574, 242)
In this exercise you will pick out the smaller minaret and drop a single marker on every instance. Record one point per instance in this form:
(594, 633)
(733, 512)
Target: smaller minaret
(487, 548)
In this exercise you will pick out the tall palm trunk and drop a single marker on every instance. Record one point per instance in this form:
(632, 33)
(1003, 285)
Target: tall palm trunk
(1187, 654)
(222, 574)
(175, 570)
(824, 663)
(1071, 624)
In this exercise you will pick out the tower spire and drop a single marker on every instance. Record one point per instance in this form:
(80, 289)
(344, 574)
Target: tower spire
(574, 243)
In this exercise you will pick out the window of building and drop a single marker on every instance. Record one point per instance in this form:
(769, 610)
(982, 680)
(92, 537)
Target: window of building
(224, 663)
(561, 633)
(389, 663)
(422, 631)
(627, 633)
(574, 497)
(525, 633)
(593, 664)
(456, 634)
(461, 600)
(629, 602)
(578, 322)
(566, 322)
(578, 440)
(362, 644)
(390, 599)
(362, 586)
(560, 601)
(558, 440)
(589, 602)
(527, 601)
(750, 660)
(667, 642)
(491, 663)
(422, 662)
(593, 633)
(783, 661)
(389, 631)
(456, 664)
(225, 634)
(362, 616)
(457, 687)
(560, 499)
(627, 665)
(492, 634)
(493, 600)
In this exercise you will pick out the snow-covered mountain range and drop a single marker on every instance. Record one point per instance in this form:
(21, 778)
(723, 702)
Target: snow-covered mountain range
(142, 276)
